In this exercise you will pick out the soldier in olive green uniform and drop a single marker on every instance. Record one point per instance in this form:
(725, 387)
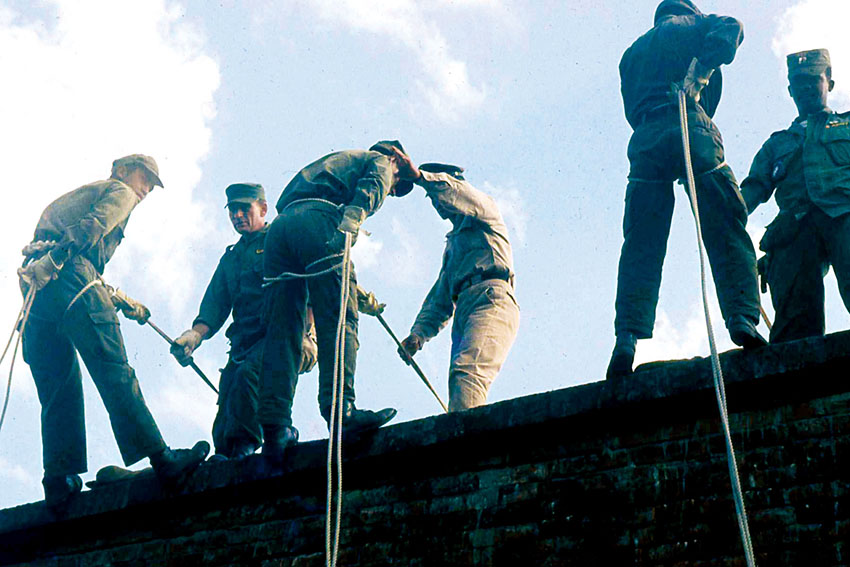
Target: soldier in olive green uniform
(808, 167)
(237, 287)
(326, 199)
(685, 47)
(72, 313)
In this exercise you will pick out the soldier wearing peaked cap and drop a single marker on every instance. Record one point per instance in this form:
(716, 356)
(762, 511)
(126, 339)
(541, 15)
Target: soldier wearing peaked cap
(324, 200)
(685, 47)
(475, 285)
(76, 236)
(236, 289)
(807, 169)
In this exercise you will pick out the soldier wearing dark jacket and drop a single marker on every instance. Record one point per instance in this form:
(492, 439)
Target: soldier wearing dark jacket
(73, 313)
(326, 199)
(808, 167)
(236, 288)
(684, 47)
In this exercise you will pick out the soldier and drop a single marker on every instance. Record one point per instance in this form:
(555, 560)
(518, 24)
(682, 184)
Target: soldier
(237, 287)
(684, 46)
(326, 199)
(475, 284)
(77, 235)
(808, 165)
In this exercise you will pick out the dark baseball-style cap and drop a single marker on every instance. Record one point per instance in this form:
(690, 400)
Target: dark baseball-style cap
(404, 186)
(453, 170)
(140, 160)
(811, 62)
(244, 193)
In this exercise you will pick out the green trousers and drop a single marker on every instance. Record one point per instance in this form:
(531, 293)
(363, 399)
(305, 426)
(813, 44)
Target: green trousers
(236, 419)
(303, 234)
(656, 159)
(53, 336)
(796, 268)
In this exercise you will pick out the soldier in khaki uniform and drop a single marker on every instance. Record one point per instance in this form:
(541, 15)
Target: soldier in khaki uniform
(236, 288)
(475, 285)
(807, 168)
(71, 314)
(326, 199)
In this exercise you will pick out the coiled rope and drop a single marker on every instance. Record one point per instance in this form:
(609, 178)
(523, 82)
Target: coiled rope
(717, 372)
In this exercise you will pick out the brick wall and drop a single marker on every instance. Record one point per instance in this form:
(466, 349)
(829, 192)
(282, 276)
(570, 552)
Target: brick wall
(630, 472)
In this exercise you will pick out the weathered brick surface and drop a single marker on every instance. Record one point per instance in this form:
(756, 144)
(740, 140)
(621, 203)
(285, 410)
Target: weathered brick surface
(631, 472)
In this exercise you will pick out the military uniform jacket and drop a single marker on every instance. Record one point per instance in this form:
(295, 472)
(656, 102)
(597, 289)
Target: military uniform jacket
(237, 287)
(662, 55)
(352, 177)
(477, 245)
(807, 163)
(89, 221)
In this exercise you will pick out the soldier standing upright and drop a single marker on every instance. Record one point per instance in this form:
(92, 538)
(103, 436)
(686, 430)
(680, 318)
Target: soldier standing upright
(326, 199)
(73, 313)
(475, 285)
(808, 165)
(684, 47)
(236, 288)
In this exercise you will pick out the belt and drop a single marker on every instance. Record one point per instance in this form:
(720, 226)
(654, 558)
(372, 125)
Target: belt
(479, 277)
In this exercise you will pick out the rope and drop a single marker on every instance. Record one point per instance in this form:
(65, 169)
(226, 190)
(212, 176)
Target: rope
(717, 372)
(23, 316)
(335, 421)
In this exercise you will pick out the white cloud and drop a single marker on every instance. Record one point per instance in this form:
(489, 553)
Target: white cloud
(93, 81)
(512, 206)
(17, 474)
(447, 87)
(813, 24)
(366, 251)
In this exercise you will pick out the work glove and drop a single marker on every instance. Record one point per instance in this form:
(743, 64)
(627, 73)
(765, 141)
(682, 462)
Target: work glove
(696, 79)
(185, 345)
(409, 346)
(368, 304)
(352, 218)
(131, 308)
(39, 273)
(309, 351)
(406, 168)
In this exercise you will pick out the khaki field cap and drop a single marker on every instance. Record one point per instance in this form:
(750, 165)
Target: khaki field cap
(812, 62)
(244, 193)
(140, 160)
(405, 186)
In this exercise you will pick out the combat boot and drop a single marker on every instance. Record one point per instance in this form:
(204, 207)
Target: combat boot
(174, 466)
(241, 448)
(743, 332)
(276, 439)
(59, 489)
(622, 357)
(355, 421)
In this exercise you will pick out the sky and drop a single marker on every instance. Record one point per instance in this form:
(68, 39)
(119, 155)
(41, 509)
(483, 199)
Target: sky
(524, 95)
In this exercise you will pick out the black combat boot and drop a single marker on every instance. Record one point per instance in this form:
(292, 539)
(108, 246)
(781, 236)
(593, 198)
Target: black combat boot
(174, 466)
(276, 439)
(742, 331)
(241, 448)
(59, 489)
(355, 421)
(622, 357)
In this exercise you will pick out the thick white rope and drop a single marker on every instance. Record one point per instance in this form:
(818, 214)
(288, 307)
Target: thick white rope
(717, 372)
(335, 422)
(21, 320)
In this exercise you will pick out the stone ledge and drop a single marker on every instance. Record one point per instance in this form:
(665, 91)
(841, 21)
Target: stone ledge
(654, 392)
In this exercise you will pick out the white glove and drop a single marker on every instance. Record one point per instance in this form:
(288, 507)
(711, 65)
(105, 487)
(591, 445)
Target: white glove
(185, 345)
(131, 308)
(352, 218)
(696, 79)
(39, 273)
(368, 304)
